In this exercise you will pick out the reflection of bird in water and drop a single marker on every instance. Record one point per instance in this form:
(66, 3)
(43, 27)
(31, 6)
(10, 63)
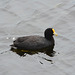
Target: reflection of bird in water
(35, 44)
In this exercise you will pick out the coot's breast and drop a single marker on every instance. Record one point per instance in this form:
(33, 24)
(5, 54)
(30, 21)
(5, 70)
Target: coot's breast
(33, 42)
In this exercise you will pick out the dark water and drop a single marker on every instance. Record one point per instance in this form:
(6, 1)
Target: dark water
(26, 17)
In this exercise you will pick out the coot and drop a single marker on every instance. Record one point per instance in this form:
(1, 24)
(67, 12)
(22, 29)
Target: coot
(36, 42)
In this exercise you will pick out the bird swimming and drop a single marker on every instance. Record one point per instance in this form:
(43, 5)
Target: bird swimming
(36, 42)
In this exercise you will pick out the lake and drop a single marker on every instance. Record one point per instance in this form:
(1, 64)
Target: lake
(25, 17)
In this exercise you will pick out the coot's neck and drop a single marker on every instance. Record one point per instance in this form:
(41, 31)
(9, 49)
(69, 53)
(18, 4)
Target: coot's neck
(49, 37)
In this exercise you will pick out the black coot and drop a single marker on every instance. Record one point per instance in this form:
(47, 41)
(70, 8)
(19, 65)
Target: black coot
(36, 42)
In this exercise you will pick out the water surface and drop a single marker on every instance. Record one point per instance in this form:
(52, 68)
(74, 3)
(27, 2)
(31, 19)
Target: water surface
(26, 17)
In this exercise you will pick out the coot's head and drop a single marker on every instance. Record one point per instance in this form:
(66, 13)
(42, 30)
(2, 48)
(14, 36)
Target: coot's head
(49, 32)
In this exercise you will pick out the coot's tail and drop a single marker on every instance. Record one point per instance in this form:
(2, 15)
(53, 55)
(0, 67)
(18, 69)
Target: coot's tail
(12, 46)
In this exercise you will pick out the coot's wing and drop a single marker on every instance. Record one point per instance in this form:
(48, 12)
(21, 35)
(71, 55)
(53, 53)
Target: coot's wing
(19, 40)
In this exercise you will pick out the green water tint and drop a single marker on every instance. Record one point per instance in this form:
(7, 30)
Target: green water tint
(47, 51)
